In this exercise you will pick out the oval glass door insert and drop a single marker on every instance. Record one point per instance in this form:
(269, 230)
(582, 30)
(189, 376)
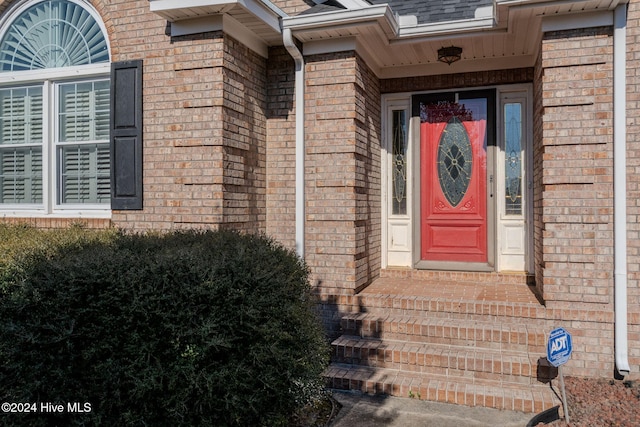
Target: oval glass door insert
(455, 160)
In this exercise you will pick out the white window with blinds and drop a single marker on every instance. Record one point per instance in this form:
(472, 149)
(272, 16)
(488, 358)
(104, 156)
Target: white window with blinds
(21, 146)
(54, 110)
(82, 143)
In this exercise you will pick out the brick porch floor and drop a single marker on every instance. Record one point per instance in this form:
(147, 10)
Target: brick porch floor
(455, 286)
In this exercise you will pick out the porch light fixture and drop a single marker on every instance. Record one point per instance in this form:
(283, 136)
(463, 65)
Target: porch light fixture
(450, 54)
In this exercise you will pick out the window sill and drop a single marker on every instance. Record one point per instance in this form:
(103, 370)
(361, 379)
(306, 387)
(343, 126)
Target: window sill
(59, 214)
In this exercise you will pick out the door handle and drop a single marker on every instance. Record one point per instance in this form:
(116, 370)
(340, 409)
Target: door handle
(490, 185)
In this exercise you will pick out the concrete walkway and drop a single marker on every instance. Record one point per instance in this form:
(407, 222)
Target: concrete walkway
(360, 410)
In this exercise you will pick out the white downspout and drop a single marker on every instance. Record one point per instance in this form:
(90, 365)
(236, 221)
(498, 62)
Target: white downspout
(620, 187)
(298, 59)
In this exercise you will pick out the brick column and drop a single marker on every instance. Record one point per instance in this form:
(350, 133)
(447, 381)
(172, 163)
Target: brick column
(342, 173)
(574, 153)
(538, 151)
(204, 125)
(244, 137)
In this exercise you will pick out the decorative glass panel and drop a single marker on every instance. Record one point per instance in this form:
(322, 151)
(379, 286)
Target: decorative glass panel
(455, 159)
(443, 111)
(21, 118)
(399, 163)
(52, 34)
(513, 158)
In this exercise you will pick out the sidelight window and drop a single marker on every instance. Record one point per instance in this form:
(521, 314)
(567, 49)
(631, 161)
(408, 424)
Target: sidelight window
(399, 162)
(513, 158)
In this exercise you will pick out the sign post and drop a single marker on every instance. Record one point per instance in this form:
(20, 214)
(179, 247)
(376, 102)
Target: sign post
(559, 348)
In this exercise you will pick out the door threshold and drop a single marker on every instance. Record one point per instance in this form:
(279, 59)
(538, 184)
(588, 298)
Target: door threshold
(454, 266)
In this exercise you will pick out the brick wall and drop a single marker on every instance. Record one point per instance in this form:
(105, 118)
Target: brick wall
(538, 150)
(4, 5)
(342, 167)
(343, 182)
(457, 81)
(244, 137)
(577, 210)
(368, 175)
(293, 7)
(281, 154)
(183, 147)
(574, 149)
(205, 124)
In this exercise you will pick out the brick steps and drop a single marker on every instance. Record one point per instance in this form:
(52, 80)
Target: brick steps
(449, 308)
(438, 330)
(455, 361)
(440, 388)
(455, 350)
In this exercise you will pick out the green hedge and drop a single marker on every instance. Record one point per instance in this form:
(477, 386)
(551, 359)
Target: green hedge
(187, 328)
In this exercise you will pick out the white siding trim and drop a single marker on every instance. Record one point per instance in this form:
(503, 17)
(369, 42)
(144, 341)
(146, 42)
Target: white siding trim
(576, 21)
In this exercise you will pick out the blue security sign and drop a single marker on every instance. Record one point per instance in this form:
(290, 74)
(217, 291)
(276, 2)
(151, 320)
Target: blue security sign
(559, 347)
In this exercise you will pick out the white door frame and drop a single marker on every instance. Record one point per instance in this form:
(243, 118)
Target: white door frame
(397, 232)
(400, 230)
(514, 233)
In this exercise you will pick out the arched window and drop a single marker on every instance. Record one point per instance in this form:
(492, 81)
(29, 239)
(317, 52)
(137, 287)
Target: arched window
(54, 110)
(52, 34)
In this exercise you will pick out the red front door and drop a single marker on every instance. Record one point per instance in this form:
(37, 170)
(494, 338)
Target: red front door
(453, 163)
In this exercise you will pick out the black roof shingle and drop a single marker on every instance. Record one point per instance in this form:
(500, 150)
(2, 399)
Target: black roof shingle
(427, 11)
(328, 6)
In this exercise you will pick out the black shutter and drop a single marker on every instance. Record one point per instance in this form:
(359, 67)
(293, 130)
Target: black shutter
(126, 135)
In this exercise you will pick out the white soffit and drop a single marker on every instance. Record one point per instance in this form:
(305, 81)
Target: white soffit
(505, 35)
(349, 4)
(201, 24)
(224, 23)
(174, 10)
(447, 27)
(353, 4)
(260, 17)
(465, 66)
(373, 14)
(395, 26)
(576, 21)
(560, 7)
(401, 27)
(329, 46)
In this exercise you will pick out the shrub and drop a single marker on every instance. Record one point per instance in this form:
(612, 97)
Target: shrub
(188, 328)
(18, 244)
